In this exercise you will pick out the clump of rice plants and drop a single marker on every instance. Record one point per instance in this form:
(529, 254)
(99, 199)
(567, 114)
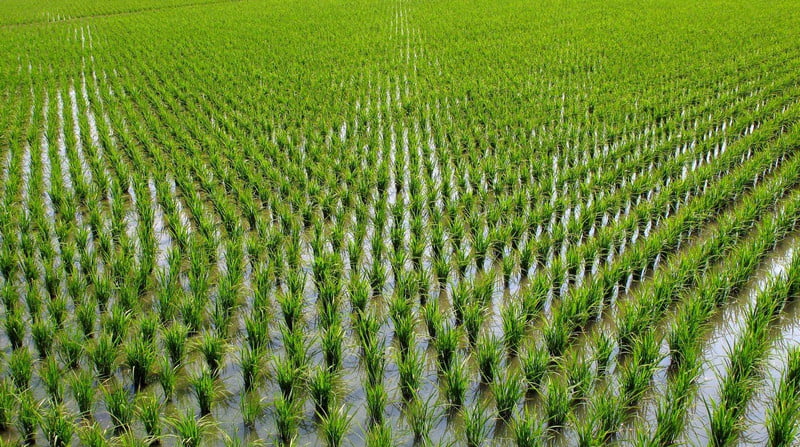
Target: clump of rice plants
(335, 425)
(58, 427)
(476, 429)
(149, 410)
(507, 392)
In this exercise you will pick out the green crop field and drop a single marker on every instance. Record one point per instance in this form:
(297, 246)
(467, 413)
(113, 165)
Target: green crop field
(399, 222)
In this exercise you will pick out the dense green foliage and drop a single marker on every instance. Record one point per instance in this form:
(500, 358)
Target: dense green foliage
(388, 222)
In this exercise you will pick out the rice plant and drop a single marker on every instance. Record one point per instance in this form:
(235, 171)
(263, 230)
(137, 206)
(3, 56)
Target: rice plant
(476, 429)
(58, 427)
(188, 430)
(149, 411)
(120, 407)
(29, 415)
(421, 416)
(335, 425)
(205, 390)
(287, 418)
(322, 388)
(528, 430)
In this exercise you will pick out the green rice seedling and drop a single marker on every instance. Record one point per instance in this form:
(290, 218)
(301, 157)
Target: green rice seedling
(375, 360)
(8, 401)
(28, 417)
(335, 425)
(507, 393)
(556, 404)
(192, 312)
(149, 410)
(441, 268)
(379, 435)
(476, 429)
(58, 427)
(673, 405)
(103, 356)
(603, 349)
(463, 259)
(432, 316)
(359, 293)
(213, 348)
(556, 338)
(322, 388)
(483, 288)
(167, 377)
(288, 413)
(120, 407)
(93, 435)
(534, 296)
(189, 430)
(409, 370)
(103, 288)
(148, 324)
(634, 380)
(513, 322)
(724, 425)
(296, 345)
(377, 276)
(76, 286)
(9, 296)
(51, 376)
(460, 296)
(781, 418)
(291, 308)
(130, 439)
(376, 398)
(509, 264)
(421, 417)
(535, 363)
(166, 297)
(33, 300)
(474, 316)
(70, 349)
(52, 279)
(30, 268)
(116, 324)
(257, 331)
(175, 342)
(83, 389)
(15, 328)
(205, 390)
(86, 314)
(252, 409)
(251, 363)
(404, 332)
(57, 308)
(221, 320)
(43, 333)
(792, 373)
(456, 382)
(528, 430)
(607, 414)
(20, 368)
(579, 377)
(139, 358)
(446, 344)
(487, 353)
(332, 351)
(287, 375)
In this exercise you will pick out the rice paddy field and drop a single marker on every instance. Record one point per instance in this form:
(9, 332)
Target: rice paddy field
(399, 222)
